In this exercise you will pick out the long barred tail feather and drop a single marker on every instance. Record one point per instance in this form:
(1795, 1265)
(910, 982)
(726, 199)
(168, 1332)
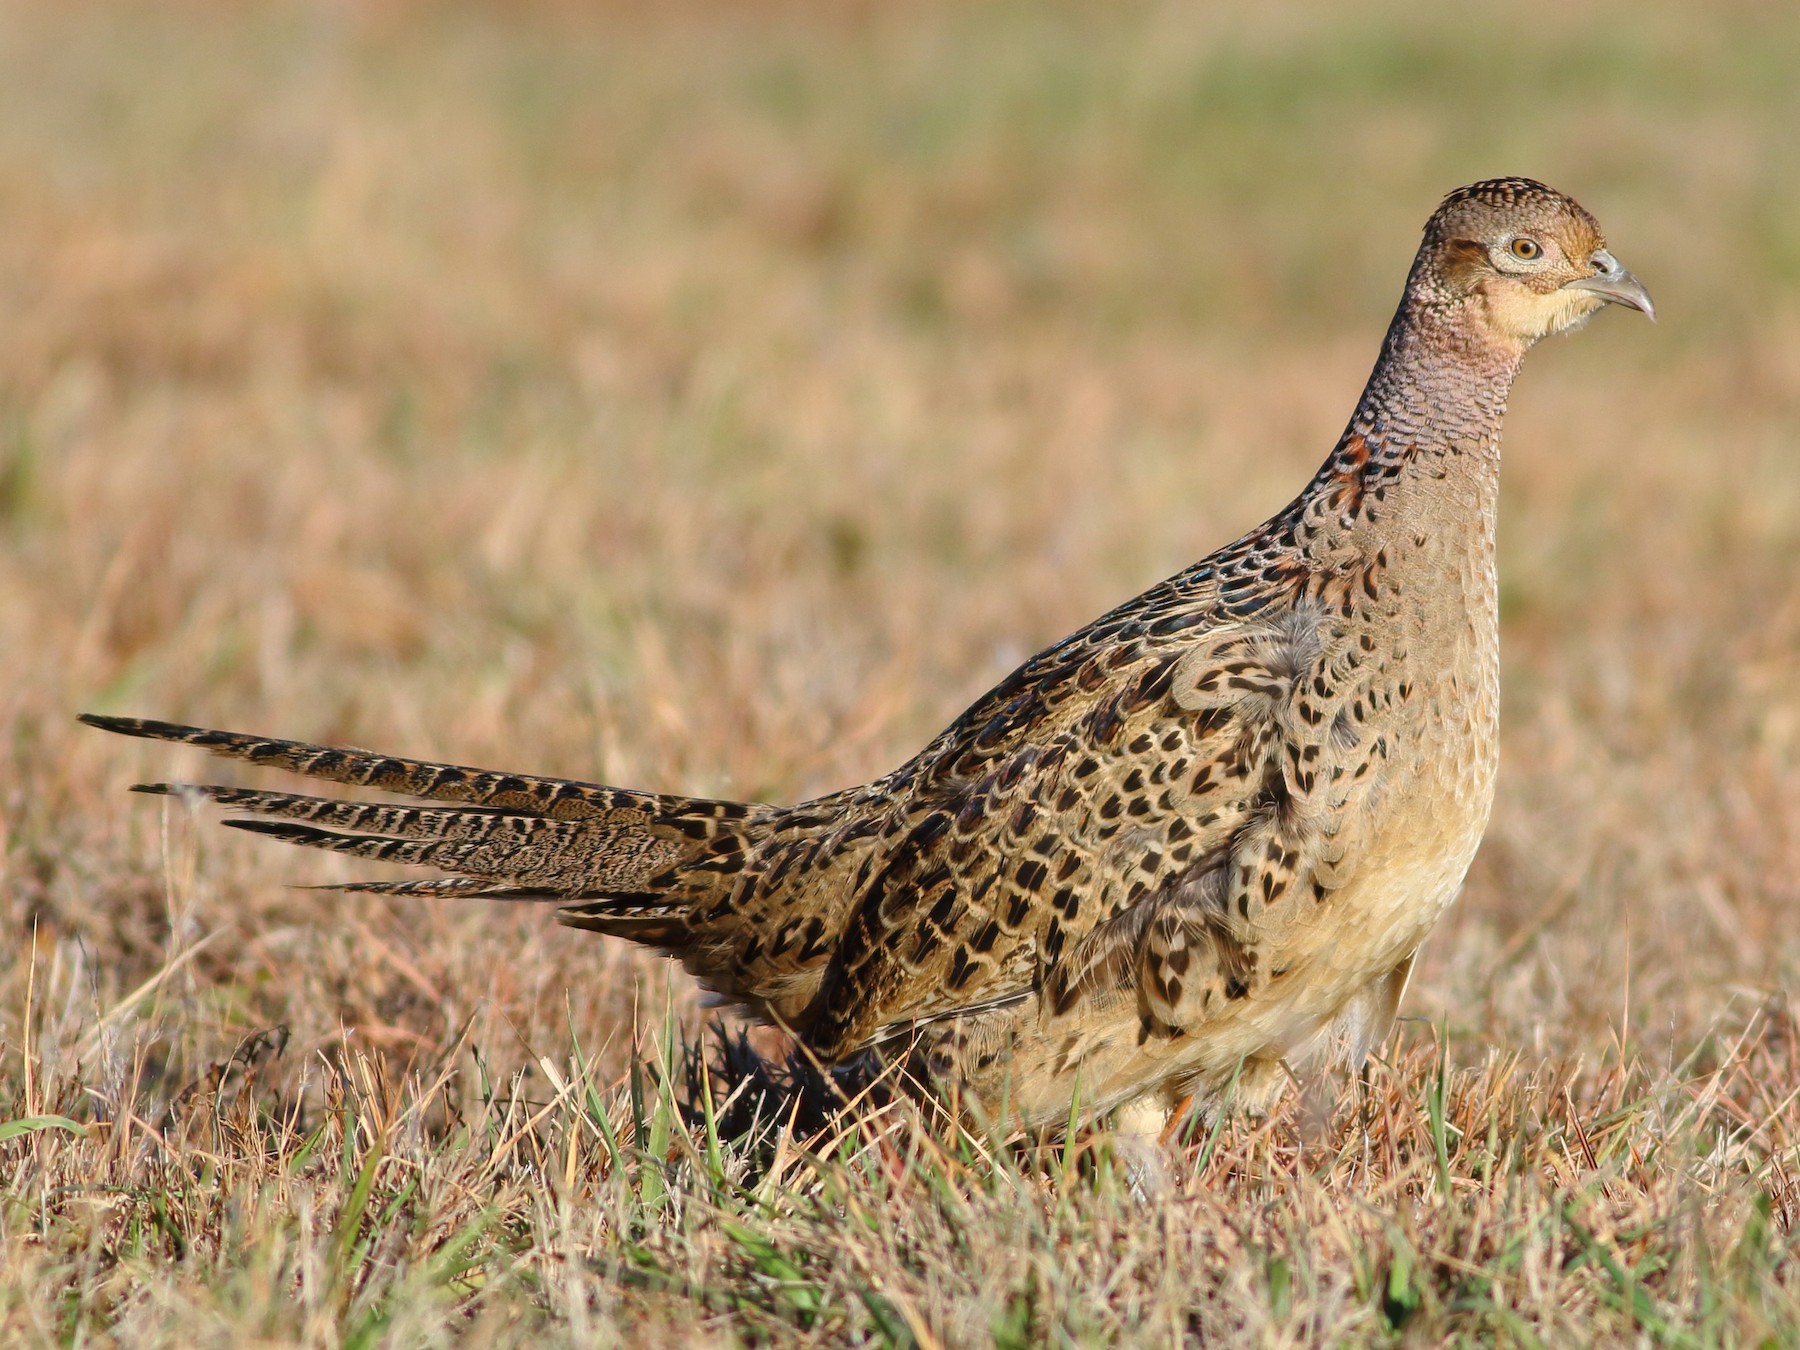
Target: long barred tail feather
(623, 856)
(438, 888)
(405, 822)
(529, 794)
(499, 855)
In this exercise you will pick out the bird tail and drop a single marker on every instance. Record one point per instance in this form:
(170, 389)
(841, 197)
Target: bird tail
(639, 865)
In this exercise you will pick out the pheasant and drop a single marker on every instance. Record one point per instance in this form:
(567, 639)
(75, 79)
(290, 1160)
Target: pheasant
(1196, 841)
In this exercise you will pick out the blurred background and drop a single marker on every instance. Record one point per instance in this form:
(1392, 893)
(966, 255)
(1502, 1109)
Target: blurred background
(720, 396)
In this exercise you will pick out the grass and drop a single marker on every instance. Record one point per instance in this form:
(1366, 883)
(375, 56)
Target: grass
(720, 398)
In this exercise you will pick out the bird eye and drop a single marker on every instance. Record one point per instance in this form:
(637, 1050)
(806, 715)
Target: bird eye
(1527, 248)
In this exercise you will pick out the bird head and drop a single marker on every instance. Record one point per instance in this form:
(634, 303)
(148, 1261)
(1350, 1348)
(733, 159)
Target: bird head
(1523, 261)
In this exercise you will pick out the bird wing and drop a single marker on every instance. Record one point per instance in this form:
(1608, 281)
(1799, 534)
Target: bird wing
(1137, 813)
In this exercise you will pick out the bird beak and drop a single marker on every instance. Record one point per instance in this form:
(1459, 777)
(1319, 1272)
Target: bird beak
(1613, 283)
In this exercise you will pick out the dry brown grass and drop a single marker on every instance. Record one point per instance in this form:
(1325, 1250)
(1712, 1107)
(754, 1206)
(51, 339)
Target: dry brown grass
(718, 401)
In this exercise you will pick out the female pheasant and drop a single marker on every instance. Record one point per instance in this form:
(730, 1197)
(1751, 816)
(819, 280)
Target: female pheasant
(1203, 835)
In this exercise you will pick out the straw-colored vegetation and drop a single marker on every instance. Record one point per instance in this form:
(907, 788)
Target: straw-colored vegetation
(718, 397)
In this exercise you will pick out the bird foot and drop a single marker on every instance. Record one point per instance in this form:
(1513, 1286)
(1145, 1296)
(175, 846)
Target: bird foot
(1138, 1144)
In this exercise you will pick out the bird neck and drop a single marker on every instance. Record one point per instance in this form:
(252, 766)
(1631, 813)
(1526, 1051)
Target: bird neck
(1421, 456)
(1437, 395)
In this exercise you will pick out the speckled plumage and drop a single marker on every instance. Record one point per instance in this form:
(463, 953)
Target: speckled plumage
(1202, 836)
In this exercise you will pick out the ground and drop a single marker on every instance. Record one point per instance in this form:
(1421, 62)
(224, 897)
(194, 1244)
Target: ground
(717, 397)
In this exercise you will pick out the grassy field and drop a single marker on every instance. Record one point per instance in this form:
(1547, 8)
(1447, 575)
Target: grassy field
(717, 397)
